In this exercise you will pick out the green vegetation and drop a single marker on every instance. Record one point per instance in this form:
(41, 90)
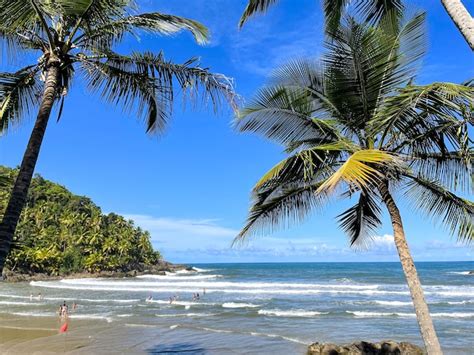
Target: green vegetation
(73, 39)
(61, 233)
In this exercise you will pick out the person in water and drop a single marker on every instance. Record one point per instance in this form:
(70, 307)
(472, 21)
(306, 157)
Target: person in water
(63, 310)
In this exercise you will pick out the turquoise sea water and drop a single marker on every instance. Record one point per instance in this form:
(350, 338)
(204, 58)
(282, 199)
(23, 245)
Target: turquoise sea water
(257, 308)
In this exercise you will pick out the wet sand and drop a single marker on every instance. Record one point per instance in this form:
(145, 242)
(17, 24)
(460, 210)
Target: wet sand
(24, 335)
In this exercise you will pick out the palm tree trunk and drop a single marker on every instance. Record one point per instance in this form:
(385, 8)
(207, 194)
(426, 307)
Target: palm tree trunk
(22, 184)
(421, 307)
(462, 19)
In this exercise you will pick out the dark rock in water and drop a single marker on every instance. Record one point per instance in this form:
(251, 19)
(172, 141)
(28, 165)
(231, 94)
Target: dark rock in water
(471, 272)
(364, 348)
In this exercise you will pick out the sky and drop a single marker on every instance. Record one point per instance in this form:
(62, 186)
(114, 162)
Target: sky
(190, 187)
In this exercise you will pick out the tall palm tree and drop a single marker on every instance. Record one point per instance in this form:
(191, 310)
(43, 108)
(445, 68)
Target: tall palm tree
(77, 37)
(461, 18)
(356, 126)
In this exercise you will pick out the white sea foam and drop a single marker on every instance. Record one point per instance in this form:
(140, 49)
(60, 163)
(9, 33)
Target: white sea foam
(217, 284)
(33, 314)
(132, 325)
(91, 316)
(409, 315)
(181, 303)
(106, 300)
(14, 296)
(239, 305)
(461, 302)
(393, 303)
(217, 330)
(202, 270)
(173, 277)
(12, 303)
(72, 316)
(459, 272)
(174, 326)
(289, 313)
(180, 272)
(186, 315)
(252, 291)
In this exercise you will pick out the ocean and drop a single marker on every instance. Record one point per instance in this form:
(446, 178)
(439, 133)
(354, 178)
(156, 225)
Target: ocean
(248, 308)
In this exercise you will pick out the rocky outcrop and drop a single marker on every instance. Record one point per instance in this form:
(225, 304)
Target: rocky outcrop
(471, 272)
(161, 268)
(365, 348)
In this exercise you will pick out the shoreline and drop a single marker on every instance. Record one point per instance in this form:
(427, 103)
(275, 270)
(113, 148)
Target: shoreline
(160, 269)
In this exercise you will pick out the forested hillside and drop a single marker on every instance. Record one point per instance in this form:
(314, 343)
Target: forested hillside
(61, 233)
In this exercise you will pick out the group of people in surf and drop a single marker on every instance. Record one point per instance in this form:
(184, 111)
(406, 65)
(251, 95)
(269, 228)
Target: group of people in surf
(63, 310)
(174, 298)
(39, 297)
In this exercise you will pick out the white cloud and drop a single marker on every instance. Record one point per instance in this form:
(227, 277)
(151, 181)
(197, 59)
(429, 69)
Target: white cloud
(197, 227)
(384, 243)
(209, 240)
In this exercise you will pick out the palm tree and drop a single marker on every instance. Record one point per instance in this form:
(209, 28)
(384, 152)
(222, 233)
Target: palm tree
(371, 10)
(77, 37)
(355, 125)
(461, 18)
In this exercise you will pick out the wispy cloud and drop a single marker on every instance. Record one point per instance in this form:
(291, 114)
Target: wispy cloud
(160, 227)
(209, 240)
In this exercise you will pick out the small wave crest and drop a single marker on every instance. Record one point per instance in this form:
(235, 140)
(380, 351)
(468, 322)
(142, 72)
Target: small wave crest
(186, 315)
(177, 277)
(289, 313)
(409, 315)
(239, 305)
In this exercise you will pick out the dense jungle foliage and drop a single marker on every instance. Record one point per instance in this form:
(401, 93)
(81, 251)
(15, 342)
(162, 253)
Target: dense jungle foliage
(61, 233)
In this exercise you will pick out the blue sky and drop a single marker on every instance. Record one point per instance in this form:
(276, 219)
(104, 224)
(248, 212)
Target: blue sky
(190, 188)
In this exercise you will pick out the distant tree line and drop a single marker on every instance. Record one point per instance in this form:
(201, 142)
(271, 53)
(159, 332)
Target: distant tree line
(61, 233)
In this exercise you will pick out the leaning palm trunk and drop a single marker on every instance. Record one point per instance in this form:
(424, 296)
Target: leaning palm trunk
(23, 180)
(421, 307)
(461, 18)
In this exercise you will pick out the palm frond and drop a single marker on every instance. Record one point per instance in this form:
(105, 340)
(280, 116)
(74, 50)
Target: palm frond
(287, 204)
(254, 7)
(373, 11)
(362, 169)
(361, 221)
(364, 64)
(306, 165)
(452, 169)
(89, 12)
(152, 79)
(445, 208)
(194, 81)
(19, 93)
(18, 15)
(105, 35)
(284, 115)
(133, 90)
(418, 116)
(370, 11)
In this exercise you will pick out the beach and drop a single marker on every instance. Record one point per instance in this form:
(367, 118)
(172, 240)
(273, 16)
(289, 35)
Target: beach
(242, 308)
